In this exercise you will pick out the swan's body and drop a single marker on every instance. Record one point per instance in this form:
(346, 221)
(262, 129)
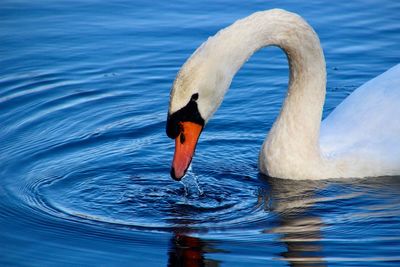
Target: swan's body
(360, 138)
(362, 134)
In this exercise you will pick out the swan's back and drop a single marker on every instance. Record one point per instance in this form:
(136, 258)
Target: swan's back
(364, 129)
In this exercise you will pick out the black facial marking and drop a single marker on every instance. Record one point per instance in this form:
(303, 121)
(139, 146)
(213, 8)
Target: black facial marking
(190, 112)
(194, 97)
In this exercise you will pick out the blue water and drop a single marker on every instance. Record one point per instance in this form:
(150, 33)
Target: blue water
(84, 159)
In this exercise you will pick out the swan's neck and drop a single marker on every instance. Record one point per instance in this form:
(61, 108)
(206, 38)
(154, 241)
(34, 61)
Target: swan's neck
(294, 137)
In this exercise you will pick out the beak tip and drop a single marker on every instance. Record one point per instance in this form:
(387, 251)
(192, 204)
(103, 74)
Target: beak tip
(173, 175)
(185, 145)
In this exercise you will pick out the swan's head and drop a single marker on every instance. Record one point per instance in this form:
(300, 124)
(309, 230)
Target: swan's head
(197, 92)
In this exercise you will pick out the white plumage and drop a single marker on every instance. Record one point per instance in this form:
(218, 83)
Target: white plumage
(360, 138)
(363, 132)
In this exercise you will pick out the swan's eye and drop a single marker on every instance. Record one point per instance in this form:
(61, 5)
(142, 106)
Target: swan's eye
(194, 97)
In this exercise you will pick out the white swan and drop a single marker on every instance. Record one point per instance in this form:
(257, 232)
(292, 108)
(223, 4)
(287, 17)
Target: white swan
(360, 138)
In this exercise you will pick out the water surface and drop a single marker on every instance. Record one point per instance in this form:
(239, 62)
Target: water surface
(84, 161)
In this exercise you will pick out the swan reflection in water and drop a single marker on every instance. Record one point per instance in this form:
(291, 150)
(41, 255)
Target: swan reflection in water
(299, 231)
(188, 251)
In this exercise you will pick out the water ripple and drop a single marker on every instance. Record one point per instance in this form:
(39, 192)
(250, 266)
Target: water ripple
(84, 159)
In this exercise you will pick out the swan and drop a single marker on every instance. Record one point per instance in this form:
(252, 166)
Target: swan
(360, 138)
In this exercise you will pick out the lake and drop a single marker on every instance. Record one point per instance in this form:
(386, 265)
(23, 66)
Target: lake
(85, 161)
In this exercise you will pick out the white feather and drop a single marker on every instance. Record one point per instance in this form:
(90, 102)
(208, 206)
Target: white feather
(360, 138)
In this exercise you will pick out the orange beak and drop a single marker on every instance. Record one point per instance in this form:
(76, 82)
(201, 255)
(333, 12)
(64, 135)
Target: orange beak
(185, 145)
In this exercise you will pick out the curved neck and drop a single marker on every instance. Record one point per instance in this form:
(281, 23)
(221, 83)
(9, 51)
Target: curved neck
(295, 133)
(294, 137)
(302, 108)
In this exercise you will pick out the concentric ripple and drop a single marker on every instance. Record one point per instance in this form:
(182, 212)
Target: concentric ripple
(109, 195)
(125, 197)
(89, 157)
